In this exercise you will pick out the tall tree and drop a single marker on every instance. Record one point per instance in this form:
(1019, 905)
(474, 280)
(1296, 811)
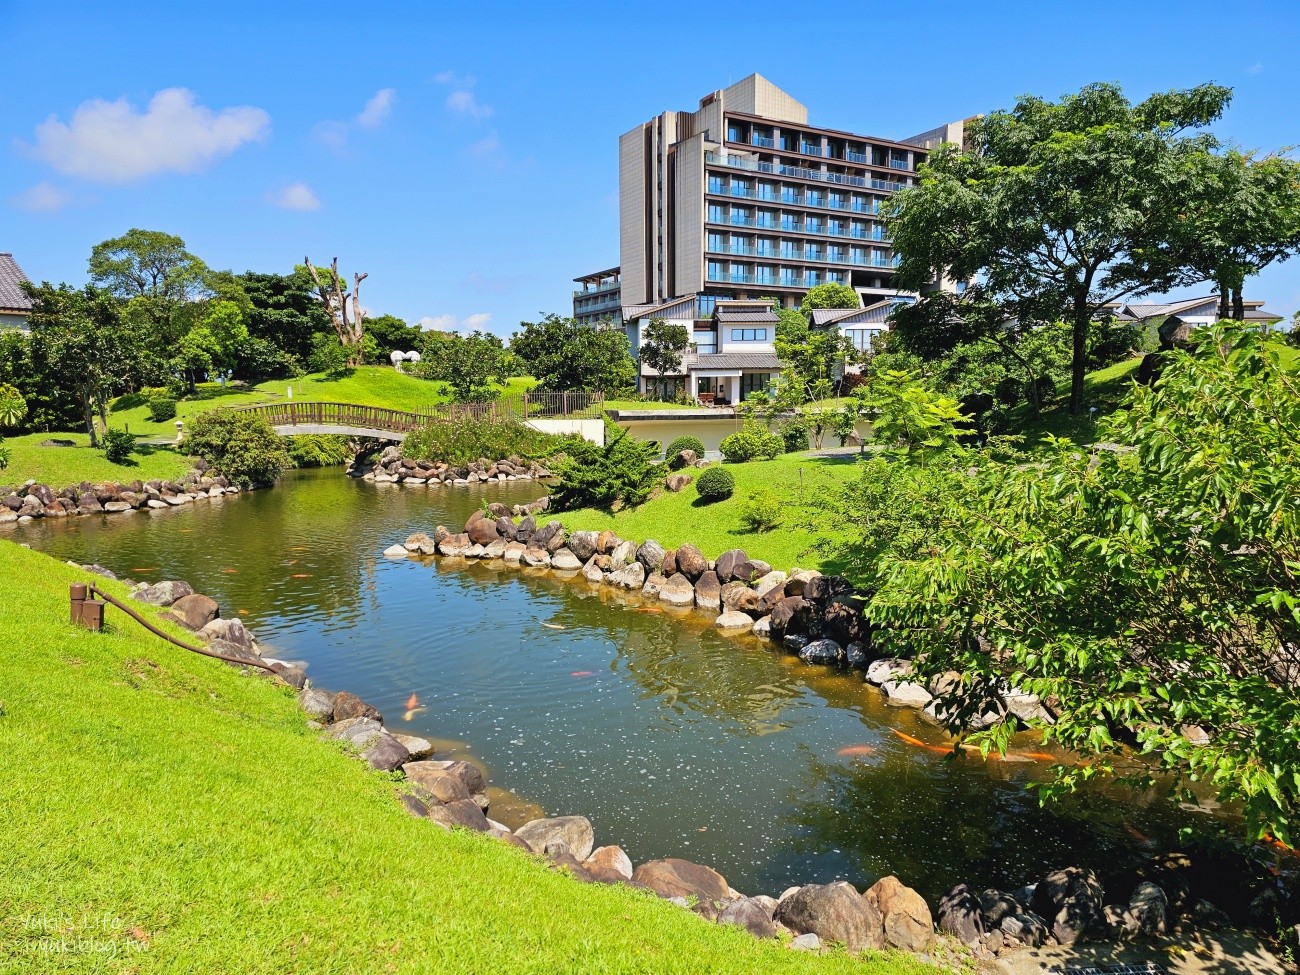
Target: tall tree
(285, 310)
(343, 307)
(392, 334)
(664, 346)
(1244, 215)
(160, 279)
(832, 294)
(1060, 207)
(564, 354)
(466, 363)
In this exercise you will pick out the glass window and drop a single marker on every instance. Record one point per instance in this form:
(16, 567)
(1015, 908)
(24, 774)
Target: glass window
(767, 218)
(790, 194)
(753, 382)
(715, 241)
(716, 214)
(861, 338)
(733, 133)
(717, 271)
(765, 274)
(716, 184)
(749, 335)
(816, 198)
(705, 304)
(766, 191)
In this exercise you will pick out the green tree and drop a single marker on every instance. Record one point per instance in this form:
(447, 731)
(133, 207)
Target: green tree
(1244, 215)
(564, 354)
(622, 472)
(909, 419)
(160, 279)
(832, 294)
(812, 356)
(13, 406)
(664, 346)
(80, 341)
(284, 311)
(1060, 207)
(469, 364)
(392, 334)
(242, 446)
(342, 307)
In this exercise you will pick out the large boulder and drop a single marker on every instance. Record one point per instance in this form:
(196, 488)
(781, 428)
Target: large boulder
(386, 753)
(195, 611)
(960, 915)
(681, 878)
(675, 482)
(231, 630)
(575, 832)
(481, 530)
(505, 528)
(766, 583)
(650, 555)
(708, 592)
(565, 560)
(904, 913)
(747, 913)
(729, 566)
(348, 705)
(463, 812)
(785, 614)
(833, 912)
(421, 544)
(1071, 902)
(583, 544)
(691, 562)
(1150, 909)
(609, 861)
(441, 784)
(677, 591)
(624, 554)
(886, 669)
(737, 596)
(734, 621)
(826, 652)
(162, 593)
(905, 694)
(631, 576)
(592, 571)
(360, 733)
(317, 704)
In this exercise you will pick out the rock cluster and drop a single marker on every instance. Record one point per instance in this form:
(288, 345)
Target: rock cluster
(34, 500)
(390, 467)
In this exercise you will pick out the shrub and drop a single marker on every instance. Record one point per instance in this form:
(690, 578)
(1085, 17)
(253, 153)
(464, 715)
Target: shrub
(319, 450)
(751, 443)
(760, 511)
(461, 441)
(242, 446)
(328, 356)
(623, 471)
(715, 484)
(118, 445)
(685, 443)
(4, 455)
(162, 408)
(13, 407)
(794, 434)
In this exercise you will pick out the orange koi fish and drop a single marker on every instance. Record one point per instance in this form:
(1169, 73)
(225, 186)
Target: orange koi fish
(412, 703)
(647, 609)
(582, 673)
(230, 572)
(851, 750)
(155, 569)
(940, 749)
(301, 575)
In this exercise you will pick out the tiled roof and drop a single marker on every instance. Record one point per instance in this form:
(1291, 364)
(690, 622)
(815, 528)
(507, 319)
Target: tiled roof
(747, 312)
(874, 314)
(737, 360)
(11, 276)
(677, 308)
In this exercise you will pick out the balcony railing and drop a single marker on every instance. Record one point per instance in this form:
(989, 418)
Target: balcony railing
(899, 164)
(857, 157)
(808, 149)
(761, 142)
(799, 172)
(598, 289)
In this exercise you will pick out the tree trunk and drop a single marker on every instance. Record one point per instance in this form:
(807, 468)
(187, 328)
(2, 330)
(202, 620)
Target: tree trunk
(1223, 299)
(1079, 358)
(1238, 305)
(88, 411)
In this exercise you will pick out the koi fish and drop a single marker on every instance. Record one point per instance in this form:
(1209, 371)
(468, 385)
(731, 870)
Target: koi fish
(230, 572)
(940, 749)
(155, 569)
(1276, 844)
(582, 673)
(301, 575)
(413, 712)
(647, 609)
(553, 626)
(1136, 834)
(851, 750)
(412, 703)
(1039, 756)
(243, 612)
(292, 562)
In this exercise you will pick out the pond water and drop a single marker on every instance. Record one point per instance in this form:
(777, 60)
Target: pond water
(673, 740)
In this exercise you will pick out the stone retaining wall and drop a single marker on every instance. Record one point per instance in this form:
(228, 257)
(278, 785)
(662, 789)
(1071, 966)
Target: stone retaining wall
(34, 500)
(391, 467)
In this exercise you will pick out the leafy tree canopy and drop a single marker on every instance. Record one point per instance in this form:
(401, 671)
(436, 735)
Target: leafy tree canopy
(561, 353)
(832, 294)
(469, 364)
(664, 345)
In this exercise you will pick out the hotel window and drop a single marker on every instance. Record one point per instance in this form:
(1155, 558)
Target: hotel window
(766, 191)
(839, 201)
(835, 255)
(861, 338)
(740, 187)
(733, 132)
(738, 272)
(790, 222)
(717, 184)
(812, 252)
(738, 244)
(766, 247)
(836, 277)
(837, 228)
(705, 304)
(789, 277)
(858, 255)
(790, 194)
(789, 248)
(716, 242)
(812, 278)
(740, 216)
(816, 198)
(767, 218)
(765, 274)
(749, 335)
(717, 214)
(717, 271)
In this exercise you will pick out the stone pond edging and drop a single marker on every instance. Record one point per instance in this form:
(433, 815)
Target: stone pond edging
(33, 500)
(390, 467)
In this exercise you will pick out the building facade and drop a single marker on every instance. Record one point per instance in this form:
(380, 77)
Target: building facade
(15, 307)
(598, 297)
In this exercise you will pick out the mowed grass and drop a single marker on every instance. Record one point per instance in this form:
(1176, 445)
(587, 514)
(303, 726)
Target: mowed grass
(162, 812)
(672, 519)
(1104, 391)
(61, 466)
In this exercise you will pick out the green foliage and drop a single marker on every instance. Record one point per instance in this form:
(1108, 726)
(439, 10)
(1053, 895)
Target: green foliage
(794, 433)
(467, 439)
(812, 356)
(1142, 591)
(319, 450)
(907, 418)
(242, 446)
(831, 295)
(761, 511)
(284, 315)
(328, 356)
(685, 443)
(623, 473)
(118, 446)
(844, 422)
(390, 334)
(13, 406)
(663, 346)
(162, 409)
(4, 455)
(715, 484)
(751, 442)
(565, 355)
(469, 364)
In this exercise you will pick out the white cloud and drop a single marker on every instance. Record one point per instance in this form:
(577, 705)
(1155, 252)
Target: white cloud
(44, 197)
(478, 321)
(378, 108)
(450, 323)
(442, 323)
(455, 80)
(463, 102)
(296, 196)
(489, 145)
(114, 142)
(1255, 68)
(332, 134)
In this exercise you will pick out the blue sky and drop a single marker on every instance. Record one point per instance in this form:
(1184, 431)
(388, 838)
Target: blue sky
(465, 155)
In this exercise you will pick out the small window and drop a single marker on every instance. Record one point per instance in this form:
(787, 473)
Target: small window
(749, 335)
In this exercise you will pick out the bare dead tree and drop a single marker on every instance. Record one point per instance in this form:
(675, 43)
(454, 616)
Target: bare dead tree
(335, 300)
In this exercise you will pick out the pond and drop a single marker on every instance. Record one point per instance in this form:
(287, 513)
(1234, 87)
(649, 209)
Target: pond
(672, 739)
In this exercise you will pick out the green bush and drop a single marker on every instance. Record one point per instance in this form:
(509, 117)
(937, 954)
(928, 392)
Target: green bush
(4, 455)
(624, 471)
(319, 450)
(684, 443)
(328, 356)
(794, 435)
(241, 445)
(118, 445)
(761, 510)
(13, 407)
(162, 408)
(461, 441)
(715, 484)
(751, 443)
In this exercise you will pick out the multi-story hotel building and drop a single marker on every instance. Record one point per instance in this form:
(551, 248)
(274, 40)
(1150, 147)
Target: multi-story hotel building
(743, 199)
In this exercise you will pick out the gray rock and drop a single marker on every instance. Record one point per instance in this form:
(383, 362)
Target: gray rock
(317, 704)
(769, 582)
(623, 554)
(538, 558)
(653, 583)
(708, 592)
(583, 544)
(729, 565)
(793, 642)
(681, 878)
(1026, 927)
(677, 591)
(1071, 901)
(421, 544)
(905, 694)
(904, 913)
(348, 705)
(888, 668)
(385, 753)
(463, 812)
(357, 732)
(734, 621)
(574, 831)
(1122, 923)
(739, 597)
(996, 905)
(592, 571)
(631, 576)
(806, 942)
(961, 916)
(418, 748)
(162, 593)
(437, 781)
(1027, 708)
(833, 912)
(196, 611)
(750, 915)
(822, 652)
(856, 656)
(650, 555)
(565, 560)
(1150, 908)
(762, 627)
(231, 630)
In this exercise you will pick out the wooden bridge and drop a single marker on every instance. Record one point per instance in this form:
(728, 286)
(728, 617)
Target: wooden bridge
(353, 420)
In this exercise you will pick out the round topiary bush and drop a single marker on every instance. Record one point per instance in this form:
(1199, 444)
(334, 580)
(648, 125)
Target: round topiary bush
(685, 443)
(715, 484)
(162, 408)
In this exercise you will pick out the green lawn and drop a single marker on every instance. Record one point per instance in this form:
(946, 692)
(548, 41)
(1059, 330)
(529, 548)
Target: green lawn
(672, 519)
(60, 466)
(636, 404)
(162, 812)
(1104, 389)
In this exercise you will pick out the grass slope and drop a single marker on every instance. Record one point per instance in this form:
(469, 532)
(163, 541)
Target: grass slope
(61, 466)
(672, 519)
(164, 813)
(1104, 389)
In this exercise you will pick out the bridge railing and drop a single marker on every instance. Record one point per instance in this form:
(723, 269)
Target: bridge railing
(338, 415)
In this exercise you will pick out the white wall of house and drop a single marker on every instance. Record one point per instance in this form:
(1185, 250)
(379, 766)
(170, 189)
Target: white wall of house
(747, 338)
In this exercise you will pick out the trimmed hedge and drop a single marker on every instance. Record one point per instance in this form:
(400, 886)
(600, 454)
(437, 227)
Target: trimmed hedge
(684, 443)
(715, 484)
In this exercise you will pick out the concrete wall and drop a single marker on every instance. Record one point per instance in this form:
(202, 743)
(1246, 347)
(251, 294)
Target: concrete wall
(592, 430)
(632, 215)
(688, 216)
